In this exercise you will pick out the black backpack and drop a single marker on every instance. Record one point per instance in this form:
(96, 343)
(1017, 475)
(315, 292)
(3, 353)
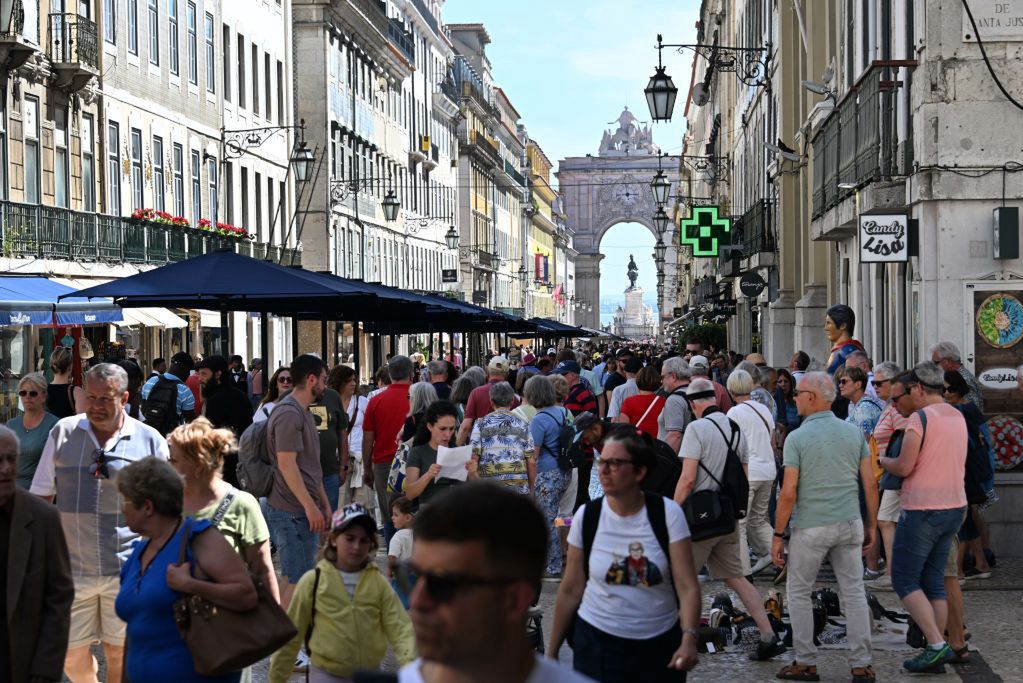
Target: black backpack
(565, 455)
(663, 477)
(978, 462)
(161, 407)
(710, 514)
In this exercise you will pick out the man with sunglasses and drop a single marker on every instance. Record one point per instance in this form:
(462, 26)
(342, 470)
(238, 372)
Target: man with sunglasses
(479, 554)
(79, 467)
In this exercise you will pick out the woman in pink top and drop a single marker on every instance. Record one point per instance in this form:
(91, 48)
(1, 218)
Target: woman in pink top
(932, 463)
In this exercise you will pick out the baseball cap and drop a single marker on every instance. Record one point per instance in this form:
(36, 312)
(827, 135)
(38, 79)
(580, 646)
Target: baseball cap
(633, 365)
(625, 352)
(699, 362)
(528, 358)
(551, 350)
(583, 422)
(757, 359)
(567, 366)
(351, 514)
(498, 363)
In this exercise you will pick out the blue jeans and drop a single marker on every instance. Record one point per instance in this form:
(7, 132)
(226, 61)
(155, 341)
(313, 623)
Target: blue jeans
(923, 539)
(332, 483)
(296, 545)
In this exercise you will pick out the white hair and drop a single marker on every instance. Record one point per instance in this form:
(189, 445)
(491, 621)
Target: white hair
(820, 382)
(700, 385)
(677, 366)
(947, 350)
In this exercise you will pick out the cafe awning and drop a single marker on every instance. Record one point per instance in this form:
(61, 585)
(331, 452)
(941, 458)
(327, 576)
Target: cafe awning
(32, 300)
(150, 316)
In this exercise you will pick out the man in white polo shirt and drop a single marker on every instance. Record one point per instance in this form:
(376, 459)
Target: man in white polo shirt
(79, 467)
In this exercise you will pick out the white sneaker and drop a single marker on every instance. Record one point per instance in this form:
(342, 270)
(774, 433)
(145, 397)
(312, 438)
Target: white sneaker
(761, 564)
(882, 583)
(301, 663)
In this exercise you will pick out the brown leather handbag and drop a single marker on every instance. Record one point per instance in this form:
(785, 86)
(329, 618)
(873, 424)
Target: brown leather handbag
(223, 640)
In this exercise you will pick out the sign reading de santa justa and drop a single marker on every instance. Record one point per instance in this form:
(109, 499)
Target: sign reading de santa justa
(883, 238)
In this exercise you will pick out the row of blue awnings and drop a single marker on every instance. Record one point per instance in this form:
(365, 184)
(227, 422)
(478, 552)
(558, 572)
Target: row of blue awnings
(32, 300)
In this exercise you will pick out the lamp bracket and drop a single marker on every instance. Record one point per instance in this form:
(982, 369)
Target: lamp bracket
(717, 166)
(749, 64)
(238, 142)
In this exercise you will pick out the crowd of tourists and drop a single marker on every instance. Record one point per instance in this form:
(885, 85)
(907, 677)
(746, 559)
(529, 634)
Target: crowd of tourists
(323, 523)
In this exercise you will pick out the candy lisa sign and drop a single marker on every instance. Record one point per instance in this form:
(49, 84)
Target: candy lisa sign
(883, 239)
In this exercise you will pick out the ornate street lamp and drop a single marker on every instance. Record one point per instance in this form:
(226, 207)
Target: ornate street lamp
(660, 91)
(302, 161)
(660, 186)
(391, 206)
(661, 220)
(451, 238)
(659, 250)
(523, 274)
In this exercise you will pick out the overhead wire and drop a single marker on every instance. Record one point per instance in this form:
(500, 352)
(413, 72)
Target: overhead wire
(983, 53)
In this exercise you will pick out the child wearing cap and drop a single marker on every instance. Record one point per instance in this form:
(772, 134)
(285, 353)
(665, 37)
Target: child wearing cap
(345, 610)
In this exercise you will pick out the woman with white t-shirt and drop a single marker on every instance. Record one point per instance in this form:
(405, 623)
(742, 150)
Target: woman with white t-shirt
(628, 598)
(757, 426)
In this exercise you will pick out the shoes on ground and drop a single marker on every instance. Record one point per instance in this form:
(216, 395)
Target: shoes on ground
(766, 651)
(863, 674)
(780, 577)
(871, 575)
(761, 564)
(799, 672)
(301, 663)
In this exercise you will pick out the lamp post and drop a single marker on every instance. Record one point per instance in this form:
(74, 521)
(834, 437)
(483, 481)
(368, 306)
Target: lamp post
(660, 92)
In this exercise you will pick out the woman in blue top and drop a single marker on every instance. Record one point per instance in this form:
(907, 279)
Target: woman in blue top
(551, 481)
(32, 426)
(152, 580)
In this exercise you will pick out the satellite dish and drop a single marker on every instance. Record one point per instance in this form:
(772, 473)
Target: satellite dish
(700, 95)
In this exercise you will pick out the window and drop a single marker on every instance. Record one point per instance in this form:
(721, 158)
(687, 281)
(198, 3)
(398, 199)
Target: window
(196, 188)
(211, 61)
(60, 157)
(31, 150)
(172, 20)
(3, 150)
(133, 26)
(154, 33)
(159, 200)
(259, 205)
(255, 80)
(245, 199)
(284, 211)
(193, 57)
(268, 109)
(136, 169)
(225, 56)
(113, 169)
(271, 210)
(178, 159)
(211, 177)
(229, 193)
(241, 70)
(110, 21)
(280, 93)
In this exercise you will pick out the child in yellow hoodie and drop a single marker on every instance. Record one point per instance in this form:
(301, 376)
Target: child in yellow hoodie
(345, 610)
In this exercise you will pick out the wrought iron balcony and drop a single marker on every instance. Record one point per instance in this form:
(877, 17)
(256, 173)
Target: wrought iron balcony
(36, 231)
(15, 49)
(73, 50)
(757, 229)
(427, 15)
(867, 138)
(485, 147)
(402, 38)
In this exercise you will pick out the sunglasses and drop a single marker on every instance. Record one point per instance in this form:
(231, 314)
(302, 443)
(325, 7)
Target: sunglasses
(442, 587)
(98, 469)
(895, 397)
(843, 381)
(284, 380)
(613, 463)
(878, 383)
(25, 392)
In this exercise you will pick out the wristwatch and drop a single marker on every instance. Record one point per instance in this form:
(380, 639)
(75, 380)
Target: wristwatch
(692, 632)
(779, 535)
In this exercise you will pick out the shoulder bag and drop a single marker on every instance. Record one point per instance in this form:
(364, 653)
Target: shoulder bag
(223, 640)
(893, 482)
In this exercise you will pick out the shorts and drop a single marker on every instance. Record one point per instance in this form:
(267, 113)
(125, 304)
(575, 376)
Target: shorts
(566, 507)
(93, 619)
(721, 555)
(891, 506)
(296, 544)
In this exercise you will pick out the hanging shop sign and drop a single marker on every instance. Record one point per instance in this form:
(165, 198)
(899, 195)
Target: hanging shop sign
(751, 284)
(705, 231)
(449, 275)
(883, 238)
(725, 307)
(479, 296)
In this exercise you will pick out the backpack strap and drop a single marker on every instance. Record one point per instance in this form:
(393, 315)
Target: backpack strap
(543, 446)
(728, 442)
(656, 515)
(648, 409)
(591, 519)
(312, 615)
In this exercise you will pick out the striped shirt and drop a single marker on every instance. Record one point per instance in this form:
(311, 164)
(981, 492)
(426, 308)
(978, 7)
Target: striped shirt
(186, 399)
(97, 534)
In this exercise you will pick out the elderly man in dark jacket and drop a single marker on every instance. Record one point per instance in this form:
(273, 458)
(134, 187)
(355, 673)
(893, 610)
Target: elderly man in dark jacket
(37, 589)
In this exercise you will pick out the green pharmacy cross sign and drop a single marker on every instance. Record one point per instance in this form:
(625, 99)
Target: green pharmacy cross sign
(705, 231)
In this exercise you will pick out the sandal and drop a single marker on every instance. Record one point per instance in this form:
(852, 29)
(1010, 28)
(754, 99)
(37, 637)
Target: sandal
(799, 672)
(962, 655)
(863, 674)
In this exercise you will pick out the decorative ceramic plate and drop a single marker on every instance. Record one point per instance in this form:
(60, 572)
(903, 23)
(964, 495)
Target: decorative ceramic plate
(1007, 434)
(1000, 320)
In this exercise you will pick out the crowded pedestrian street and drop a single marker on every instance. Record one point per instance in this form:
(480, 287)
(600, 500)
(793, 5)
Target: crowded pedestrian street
(450, 341)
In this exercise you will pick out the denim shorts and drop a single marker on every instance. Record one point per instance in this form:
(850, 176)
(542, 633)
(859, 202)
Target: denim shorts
(923, 539)
(296, 545)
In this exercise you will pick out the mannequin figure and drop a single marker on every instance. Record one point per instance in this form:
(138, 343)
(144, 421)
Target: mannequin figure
(839, 325)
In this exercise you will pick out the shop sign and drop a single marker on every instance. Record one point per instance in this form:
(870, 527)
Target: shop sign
(751, 284)
(449, 275)
(998, 378)
(999, 21)
(705, 231)
(725, 307)
(883, 238)
(479, 296)
(678, 312)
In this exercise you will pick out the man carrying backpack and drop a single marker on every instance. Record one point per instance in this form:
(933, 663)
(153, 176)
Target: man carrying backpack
(707, 446)
(825, 460)
(166, 401)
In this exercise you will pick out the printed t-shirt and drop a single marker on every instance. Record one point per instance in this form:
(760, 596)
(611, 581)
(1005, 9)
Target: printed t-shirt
(757, 426)
(629, 592)
(330, 419)
(385, 416)
(291, 428)
(645, 406)
(936, 482)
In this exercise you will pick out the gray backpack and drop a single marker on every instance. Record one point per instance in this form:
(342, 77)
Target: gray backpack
(255, 467)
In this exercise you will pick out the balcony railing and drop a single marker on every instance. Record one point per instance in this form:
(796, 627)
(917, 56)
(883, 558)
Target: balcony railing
(16, 23)
(486, 146)
(758, 229)
(509, 168)
(36, 231)
(73, 40)
(401, 38)
(427, 15)
(866, 138)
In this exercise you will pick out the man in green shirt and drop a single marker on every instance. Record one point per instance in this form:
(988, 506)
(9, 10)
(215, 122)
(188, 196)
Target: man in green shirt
(825, 461)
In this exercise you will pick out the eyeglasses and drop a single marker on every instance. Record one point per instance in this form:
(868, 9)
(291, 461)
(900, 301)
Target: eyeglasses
(25, 392)
(284, 380)
(843, 381)
(613, 463)
(878, 383)
(98, 469)
(799, 392)
(895, 397)
(443, 587)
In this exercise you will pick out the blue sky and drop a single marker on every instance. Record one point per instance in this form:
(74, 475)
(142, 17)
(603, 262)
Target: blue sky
(569, 66)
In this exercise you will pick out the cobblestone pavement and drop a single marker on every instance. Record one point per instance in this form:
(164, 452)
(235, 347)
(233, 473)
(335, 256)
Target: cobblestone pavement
(993, 614)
